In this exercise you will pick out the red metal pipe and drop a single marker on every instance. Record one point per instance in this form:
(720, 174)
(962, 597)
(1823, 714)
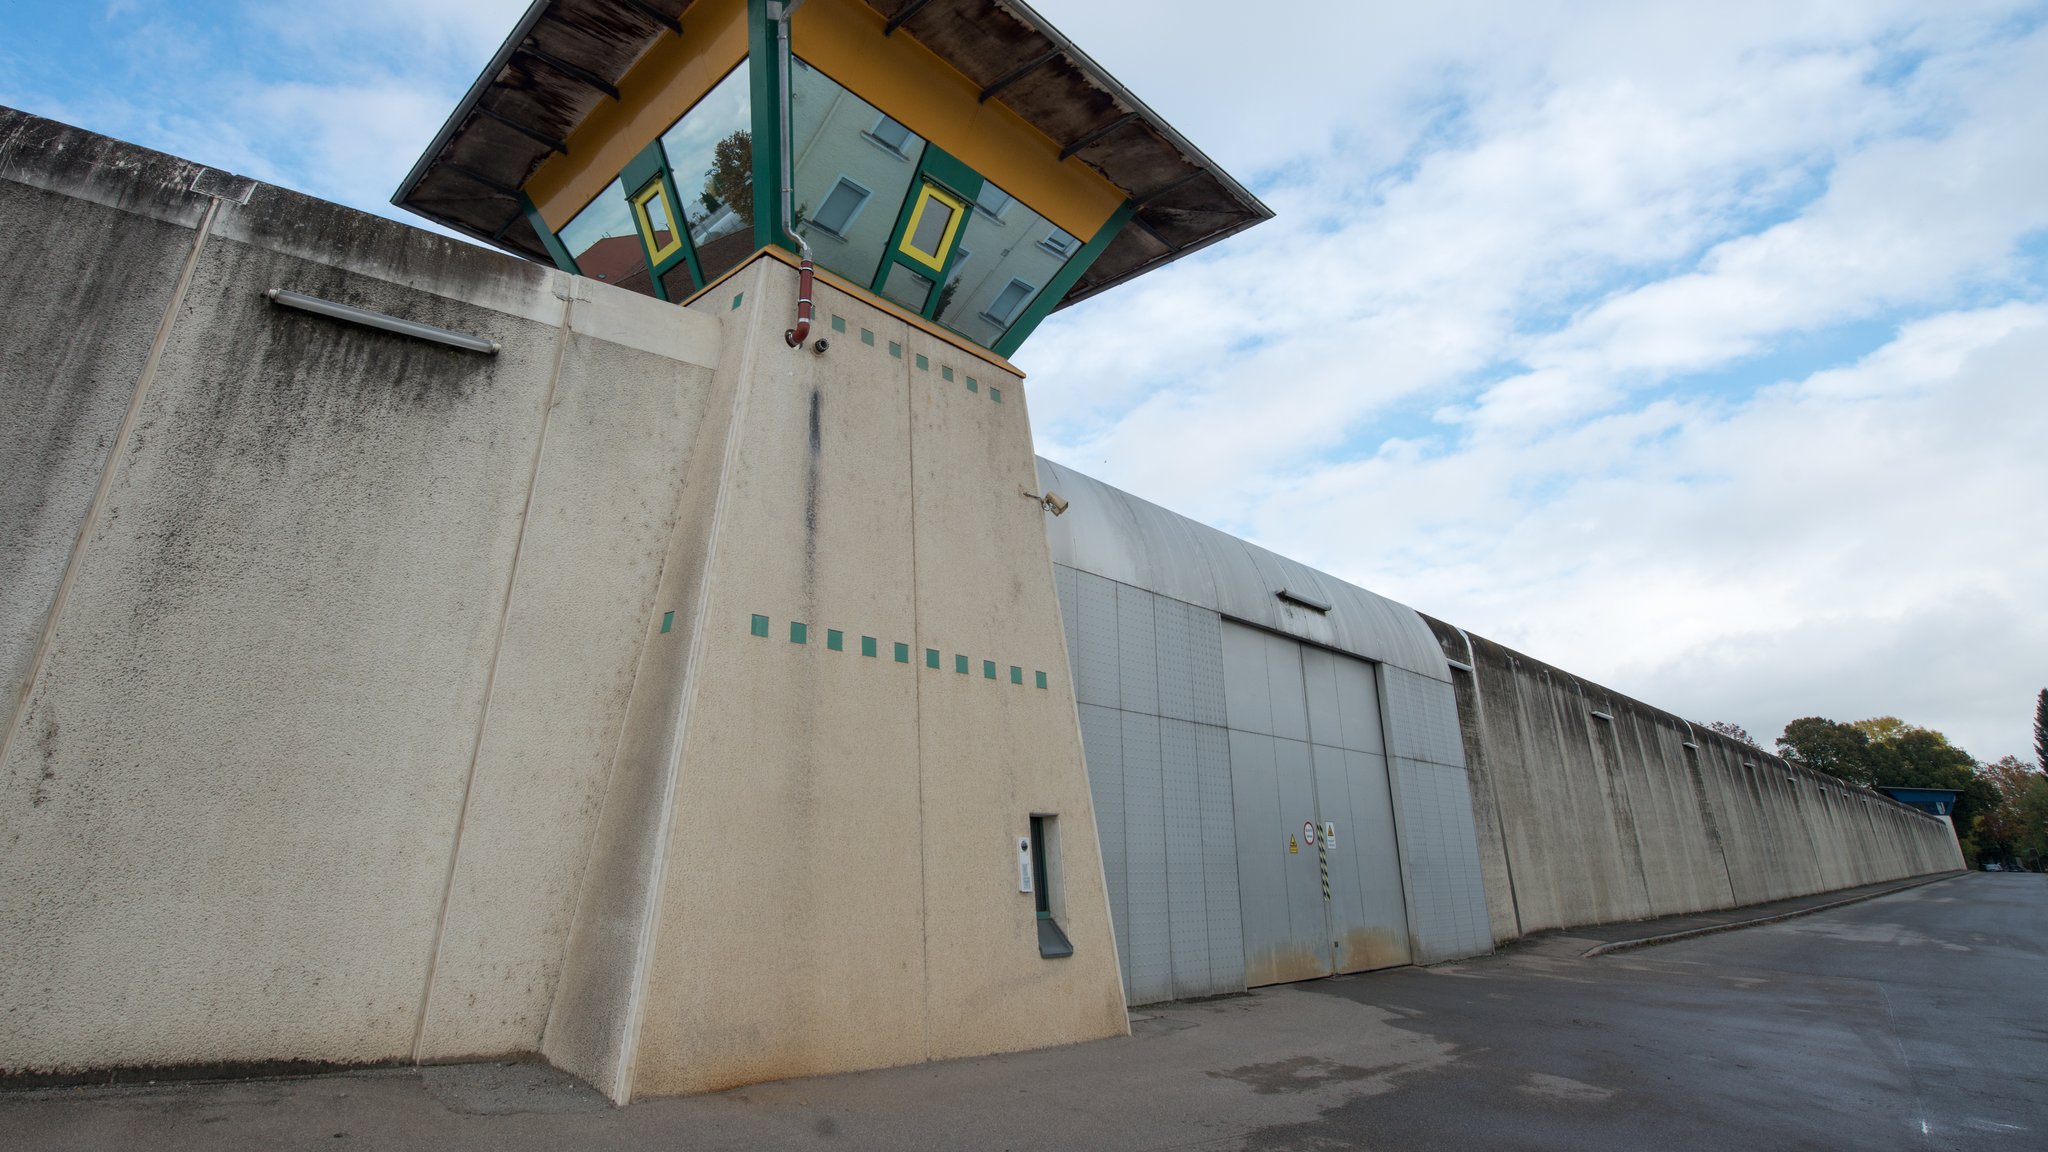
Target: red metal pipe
(797, 335)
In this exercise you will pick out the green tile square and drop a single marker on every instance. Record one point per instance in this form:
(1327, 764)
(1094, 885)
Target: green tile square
(867, 337)
(996, 394)
(960, 665)
(903, 653)
(760, 626)
(799, 632)
(1041, 679)
(931, 657)
(973, 385)
(924, 363)
(895, 349)
(668, 620)
(835, 639)
(838, 322)
(736, 300)
(867, 648)
(988, 669)
(1016, 674)
(946, 373)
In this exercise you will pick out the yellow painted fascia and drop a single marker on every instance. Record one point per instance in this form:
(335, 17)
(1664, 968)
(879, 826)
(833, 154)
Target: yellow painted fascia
(673, 76)
(843, 39)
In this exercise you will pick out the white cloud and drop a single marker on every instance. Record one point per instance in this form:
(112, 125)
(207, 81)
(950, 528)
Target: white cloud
(1622, 200)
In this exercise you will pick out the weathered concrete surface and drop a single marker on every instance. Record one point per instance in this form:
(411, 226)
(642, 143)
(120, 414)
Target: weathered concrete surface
(840, 888)
(1907, 1022)
(276, 734)
(1584, 820)
(401, 701)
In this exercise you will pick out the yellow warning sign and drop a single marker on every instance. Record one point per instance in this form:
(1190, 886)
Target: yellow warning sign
(1293, 846)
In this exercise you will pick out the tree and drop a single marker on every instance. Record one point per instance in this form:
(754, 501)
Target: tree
(2002, 831)
(1734, 732)
(1906, 755)
(1840, 750)
(731, 179)
(2041, 730)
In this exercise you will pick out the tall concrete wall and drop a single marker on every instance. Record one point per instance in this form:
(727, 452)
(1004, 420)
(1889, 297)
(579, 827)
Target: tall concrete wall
(309, 762)
(379, 700)
(1586, 820)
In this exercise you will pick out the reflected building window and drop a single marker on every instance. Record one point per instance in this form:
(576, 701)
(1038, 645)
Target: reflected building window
(605, 244)
(1008, 253)
(841, 206)
(891, 135)
(851, 176)
(711, 153)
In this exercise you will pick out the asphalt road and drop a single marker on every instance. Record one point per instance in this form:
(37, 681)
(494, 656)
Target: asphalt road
(1914, 1021)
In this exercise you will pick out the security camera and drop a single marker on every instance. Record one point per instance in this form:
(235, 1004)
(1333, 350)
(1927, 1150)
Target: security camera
(1054, 504)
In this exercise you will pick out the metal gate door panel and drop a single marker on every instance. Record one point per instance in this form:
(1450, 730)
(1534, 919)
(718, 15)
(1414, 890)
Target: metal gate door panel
(1308, 914)
(1378, 936)
(1261, 878)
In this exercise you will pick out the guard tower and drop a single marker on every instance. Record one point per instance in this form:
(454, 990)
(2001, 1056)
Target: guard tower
(960, 159)
(848, 824)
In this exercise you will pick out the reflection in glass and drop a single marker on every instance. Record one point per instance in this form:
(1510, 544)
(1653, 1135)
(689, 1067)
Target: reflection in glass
(929, 237)
(853, 169)
(711, 153)
(907, 288)
(1002, 267)
(606, 245)
(657, 223)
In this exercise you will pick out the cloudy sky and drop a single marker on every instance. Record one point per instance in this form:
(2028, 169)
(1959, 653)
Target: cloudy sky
(1700, 349)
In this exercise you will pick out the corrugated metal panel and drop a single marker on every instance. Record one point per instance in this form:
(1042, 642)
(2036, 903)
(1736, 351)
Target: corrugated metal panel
(1219, 860)
(1247, 698)
(1145, 862)
(1423, 717)
(1176, 663)
(1095, 653)
(1137, 672)
(1102, 743)
(1186, 878)
(1205, 655)
(1440, 861)
(1369, 840)
(1065, 581)
(1269, 956)
(1283, 680)
(1308, 918)
(1114, 534)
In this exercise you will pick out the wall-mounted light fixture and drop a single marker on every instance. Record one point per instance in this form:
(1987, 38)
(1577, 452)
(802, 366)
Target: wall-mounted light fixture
(1601, 716)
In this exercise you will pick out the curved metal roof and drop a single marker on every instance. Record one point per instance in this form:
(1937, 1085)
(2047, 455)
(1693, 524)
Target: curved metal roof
(564, 57)
(1114, 534)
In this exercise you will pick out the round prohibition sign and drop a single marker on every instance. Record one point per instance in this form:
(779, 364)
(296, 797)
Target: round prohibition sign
(1308, 833)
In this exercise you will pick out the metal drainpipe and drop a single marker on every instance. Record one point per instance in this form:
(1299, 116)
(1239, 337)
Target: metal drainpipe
(806, 277)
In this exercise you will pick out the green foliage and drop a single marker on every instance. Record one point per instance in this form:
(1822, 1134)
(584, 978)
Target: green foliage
(1734, 732)
(1885, 750)
(2008, 831)
(1840, 750)
(2041, 730)
(731, 179)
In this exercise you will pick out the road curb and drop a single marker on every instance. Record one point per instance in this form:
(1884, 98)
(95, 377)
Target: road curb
(1709, 930)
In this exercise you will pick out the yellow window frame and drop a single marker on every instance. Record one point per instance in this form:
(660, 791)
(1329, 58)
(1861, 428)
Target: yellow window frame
(936, 261)
(656, 190)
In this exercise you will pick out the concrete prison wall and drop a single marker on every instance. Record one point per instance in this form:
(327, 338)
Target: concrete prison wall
(311, 728)
(376, 699)
(1594, 808)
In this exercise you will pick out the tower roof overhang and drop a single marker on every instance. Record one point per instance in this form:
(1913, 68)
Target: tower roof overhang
(565, 57)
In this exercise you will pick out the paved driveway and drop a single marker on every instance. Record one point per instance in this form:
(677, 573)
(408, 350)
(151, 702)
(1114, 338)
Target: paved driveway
(1919, 1020)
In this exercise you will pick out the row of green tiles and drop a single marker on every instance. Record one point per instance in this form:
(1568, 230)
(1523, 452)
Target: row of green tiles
(924, 363)
(800, 633)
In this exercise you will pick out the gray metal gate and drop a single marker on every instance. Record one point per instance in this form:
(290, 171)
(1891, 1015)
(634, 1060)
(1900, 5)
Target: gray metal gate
(1307, 758)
